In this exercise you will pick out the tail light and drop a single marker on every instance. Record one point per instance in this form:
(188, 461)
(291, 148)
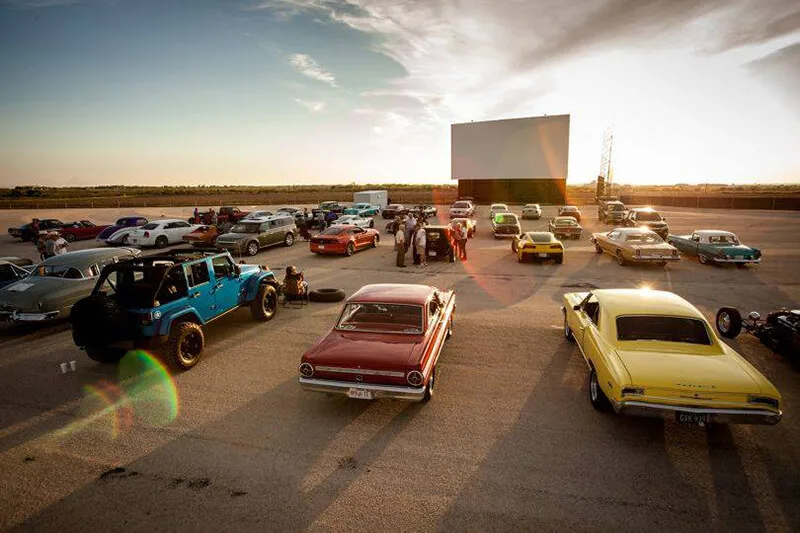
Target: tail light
(674, 253)
(146, 234)
(555, 247)
(763, 400)
(306, 370)
(415, 378)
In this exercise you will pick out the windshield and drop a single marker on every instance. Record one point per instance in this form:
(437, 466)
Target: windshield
(540, 237)
(615, 207)
(461, 205)
(499, 207)
(394, 206)
(345, 220)
(333, 231)
(644, 238)
(246, 227)
(56, 271)
(662, 328)
(152, 225)
(531, 206)
(569, 209)
(9, 273)
(565, 222)
(648, 216)
(505, 219)
(393, 318)
(723, 239)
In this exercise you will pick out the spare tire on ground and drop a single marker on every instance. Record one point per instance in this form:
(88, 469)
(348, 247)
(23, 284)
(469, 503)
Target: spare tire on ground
(326, 295)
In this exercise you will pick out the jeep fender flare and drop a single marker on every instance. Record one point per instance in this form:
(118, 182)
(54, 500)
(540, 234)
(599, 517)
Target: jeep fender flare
(265, 278)
(179, 315)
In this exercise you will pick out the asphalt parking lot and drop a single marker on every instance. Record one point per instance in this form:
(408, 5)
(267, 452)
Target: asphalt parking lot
(510, 441)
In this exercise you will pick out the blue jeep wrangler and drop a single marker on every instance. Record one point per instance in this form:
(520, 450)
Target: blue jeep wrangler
(163, 301)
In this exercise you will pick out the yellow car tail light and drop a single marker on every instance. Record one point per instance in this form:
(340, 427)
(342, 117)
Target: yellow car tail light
(633, 391)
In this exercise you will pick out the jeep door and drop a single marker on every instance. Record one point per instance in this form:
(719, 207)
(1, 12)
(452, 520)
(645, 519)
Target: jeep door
(201, 296)
(227, 285)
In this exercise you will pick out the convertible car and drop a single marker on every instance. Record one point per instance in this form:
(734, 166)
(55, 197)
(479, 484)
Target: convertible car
(344, 240)
(385, 344)
(652, 353)
(714, 246)
(80, 230)
(57, 283)
(118, 233)
(541, 245)
(635, 245)
(202, 236)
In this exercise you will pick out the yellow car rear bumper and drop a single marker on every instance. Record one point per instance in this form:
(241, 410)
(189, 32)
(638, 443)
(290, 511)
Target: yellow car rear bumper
(713, 415)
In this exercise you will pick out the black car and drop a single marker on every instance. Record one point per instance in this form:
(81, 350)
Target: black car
(646, 217)
(780, 331)
(26, 233)
(440, 243)
(424, 209)
(613, 211)
(570, 211)
(393, 210)
(505, 225)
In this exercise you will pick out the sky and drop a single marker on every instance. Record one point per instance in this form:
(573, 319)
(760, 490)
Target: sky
(276, 92)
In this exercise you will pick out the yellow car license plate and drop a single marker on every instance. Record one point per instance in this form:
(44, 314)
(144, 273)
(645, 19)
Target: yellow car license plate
(694, 419)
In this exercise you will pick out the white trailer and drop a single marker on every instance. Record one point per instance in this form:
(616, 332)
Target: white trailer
(379, 198)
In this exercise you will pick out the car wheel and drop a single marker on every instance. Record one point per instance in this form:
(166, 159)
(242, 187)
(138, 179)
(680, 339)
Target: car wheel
(326, 295)
(596, 394)
(621, 259)
(69, 237)
(729, 322)
(597, 248)
(265, 304)
(252, 248)
(214, 241)
(161, 242)
(185, 345)
(350, 250)
(703, 259)
(371, 223)
(105, 354)
(430, 387)
(124, 240)
(559, 259)
(288, 240)
(567, 330)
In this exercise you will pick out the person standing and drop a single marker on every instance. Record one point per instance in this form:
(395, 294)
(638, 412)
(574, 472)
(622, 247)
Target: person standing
(463, 234)
(410, 224)
(214, 218)
(196, 216)
(400, 247)
(420, 240)
(60, 244)
(321, 220)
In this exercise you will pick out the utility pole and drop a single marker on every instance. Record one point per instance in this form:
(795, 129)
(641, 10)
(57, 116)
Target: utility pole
(606, 168)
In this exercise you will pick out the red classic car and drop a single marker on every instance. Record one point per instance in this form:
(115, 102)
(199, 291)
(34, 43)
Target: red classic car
(78, 231)
(385, 344)
(344, 240)
(202, 236)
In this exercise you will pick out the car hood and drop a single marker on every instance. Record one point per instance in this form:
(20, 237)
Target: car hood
(707, 370)
(26, 293)
(653, 225)
(365, 350)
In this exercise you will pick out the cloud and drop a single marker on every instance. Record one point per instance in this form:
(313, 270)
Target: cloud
(305, 65)
(312, 105)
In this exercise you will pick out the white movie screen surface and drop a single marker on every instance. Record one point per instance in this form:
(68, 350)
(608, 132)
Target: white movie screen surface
(522, 148)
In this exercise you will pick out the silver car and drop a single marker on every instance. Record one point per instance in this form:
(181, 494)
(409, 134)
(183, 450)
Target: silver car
(57, 283)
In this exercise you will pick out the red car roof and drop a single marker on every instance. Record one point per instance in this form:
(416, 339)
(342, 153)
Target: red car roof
(394, 293)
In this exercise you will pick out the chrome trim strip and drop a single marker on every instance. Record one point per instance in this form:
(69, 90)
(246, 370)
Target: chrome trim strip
(362, 371)
(736, 260)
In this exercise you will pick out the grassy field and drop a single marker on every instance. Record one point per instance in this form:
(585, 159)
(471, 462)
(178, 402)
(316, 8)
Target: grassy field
(35, 197)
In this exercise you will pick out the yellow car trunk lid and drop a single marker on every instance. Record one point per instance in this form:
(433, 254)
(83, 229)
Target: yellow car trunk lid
(705, 372)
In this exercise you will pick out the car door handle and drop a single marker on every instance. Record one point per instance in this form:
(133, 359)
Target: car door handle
(218, 285)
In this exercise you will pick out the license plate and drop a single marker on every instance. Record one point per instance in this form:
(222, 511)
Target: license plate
(542, 255)
(657, 256)
(321, 246)
(693, 419)
(432, 253)
(359, 394)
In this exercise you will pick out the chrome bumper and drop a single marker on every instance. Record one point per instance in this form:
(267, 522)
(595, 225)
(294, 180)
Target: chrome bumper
(655, 259)
(16, 316)
(715, 415)
(396, 392)
(747, 261)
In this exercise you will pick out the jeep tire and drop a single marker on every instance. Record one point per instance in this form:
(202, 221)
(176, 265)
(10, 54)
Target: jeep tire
(185, 345)
(265, 304)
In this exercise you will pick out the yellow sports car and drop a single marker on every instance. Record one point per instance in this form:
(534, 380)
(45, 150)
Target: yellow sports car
(540, 245)
(652, 353)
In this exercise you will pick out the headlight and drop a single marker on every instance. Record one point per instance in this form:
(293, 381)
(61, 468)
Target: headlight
(633, 391)
(763, 400)
(415, 378)
(306, 370)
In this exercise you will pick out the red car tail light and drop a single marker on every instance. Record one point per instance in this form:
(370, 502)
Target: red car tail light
(415, 378)
(146, 234)
(306, 370)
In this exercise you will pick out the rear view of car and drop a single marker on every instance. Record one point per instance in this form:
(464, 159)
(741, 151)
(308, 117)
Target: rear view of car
(462, 208)
(505, 225)
(565, 227)
(533, 211)
(539, 245)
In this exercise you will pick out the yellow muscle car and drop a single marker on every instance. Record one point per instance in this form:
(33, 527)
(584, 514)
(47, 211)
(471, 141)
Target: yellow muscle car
(635, 245)
(652, 353)
(540, 245)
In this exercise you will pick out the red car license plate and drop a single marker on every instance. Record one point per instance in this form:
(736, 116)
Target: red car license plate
(693, 419)
(359, 394)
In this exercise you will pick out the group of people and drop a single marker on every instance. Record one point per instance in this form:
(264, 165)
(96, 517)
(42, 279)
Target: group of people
(410, 234)
(50, 244)
(325, 219)
(460, 236)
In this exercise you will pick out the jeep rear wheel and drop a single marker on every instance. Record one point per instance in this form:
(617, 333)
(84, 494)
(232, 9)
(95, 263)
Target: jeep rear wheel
(185, 345)
(104, 354)
(252, 248)
(266, 302)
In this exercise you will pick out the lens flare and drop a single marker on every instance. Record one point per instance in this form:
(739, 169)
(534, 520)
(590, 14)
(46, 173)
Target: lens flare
(149, 388)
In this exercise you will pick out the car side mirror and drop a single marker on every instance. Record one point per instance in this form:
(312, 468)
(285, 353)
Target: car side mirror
(577, 307)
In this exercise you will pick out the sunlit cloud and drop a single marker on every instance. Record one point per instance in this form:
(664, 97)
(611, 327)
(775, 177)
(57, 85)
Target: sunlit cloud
(313, 106)
(307, 66)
